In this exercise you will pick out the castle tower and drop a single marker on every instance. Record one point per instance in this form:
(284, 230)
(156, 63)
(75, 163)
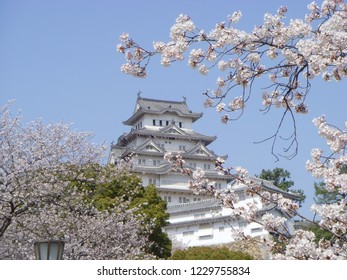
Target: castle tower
(160, 126)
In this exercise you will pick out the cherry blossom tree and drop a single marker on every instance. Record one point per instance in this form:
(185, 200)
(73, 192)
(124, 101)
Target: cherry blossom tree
(289, 55)
(37, 164)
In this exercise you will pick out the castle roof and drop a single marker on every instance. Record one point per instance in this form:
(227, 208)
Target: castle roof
(269, 186)
(206, 204)
(166, 168)
(199, 221)
(166, 132)
(159, 107)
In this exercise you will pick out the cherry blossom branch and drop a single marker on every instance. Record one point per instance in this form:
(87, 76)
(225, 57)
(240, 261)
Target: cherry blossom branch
(289, 54)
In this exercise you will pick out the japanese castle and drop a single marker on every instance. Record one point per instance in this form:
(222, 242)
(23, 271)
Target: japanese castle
(160, 126)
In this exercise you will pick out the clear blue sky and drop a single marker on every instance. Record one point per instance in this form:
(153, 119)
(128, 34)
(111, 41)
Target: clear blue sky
(58, 60)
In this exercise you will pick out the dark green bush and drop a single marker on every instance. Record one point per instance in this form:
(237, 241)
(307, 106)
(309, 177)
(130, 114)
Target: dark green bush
(209, 253)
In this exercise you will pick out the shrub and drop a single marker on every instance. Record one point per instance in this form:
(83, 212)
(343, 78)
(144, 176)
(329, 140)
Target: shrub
(209, 253)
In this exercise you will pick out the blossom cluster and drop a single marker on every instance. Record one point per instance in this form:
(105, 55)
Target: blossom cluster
(272, 223)
(287, 205)
(330, 168)
(333, 217)
(307, 49)
(199, 183)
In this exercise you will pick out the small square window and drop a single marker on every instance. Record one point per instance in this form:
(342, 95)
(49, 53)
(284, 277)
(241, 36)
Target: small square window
(152, 181)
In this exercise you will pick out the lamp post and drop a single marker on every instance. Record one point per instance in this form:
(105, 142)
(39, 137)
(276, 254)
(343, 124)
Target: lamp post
(49, 249)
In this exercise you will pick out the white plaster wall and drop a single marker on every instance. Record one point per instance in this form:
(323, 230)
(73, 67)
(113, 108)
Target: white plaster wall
(147, 121)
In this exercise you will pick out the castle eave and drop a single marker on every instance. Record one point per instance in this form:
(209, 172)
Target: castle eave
(198, 221)
(140, 112)
(158, 134)
(207, 204)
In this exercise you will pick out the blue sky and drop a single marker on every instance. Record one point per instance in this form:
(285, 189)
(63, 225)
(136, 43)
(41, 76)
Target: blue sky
(58, 60)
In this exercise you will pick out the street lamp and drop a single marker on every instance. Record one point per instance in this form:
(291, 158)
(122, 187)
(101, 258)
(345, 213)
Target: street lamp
(49, 249)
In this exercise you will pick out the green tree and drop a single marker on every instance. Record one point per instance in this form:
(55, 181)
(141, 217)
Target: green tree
(281, 179)
(106, 185)
(319, 232)
(209, 253)
(154, 208)
(323, 196)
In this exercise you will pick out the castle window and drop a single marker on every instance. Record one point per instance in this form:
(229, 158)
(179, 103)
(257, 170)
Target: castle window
(242, 224)
(152, 181)
(256, 230)
(182, 147)
(188, 233)
(161, 123)
(200, 216)
(207, 166)
(167, 123)
(167, 199)
(154, 122)
(139, 125)
(180, 124)
(206, 237)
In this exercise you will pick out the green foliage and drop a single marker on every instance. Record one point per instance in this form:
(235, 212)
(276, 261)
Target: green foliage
(281, 179)
(319, 232)
(209, 253)
(323, 196)
(106, 186)
(154, 208)
(278, 176)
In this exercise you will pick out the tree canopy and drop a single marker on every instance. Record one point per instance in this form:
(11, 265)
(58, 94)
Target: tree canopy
(106, 185)
(281, 179)
(38, 162)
